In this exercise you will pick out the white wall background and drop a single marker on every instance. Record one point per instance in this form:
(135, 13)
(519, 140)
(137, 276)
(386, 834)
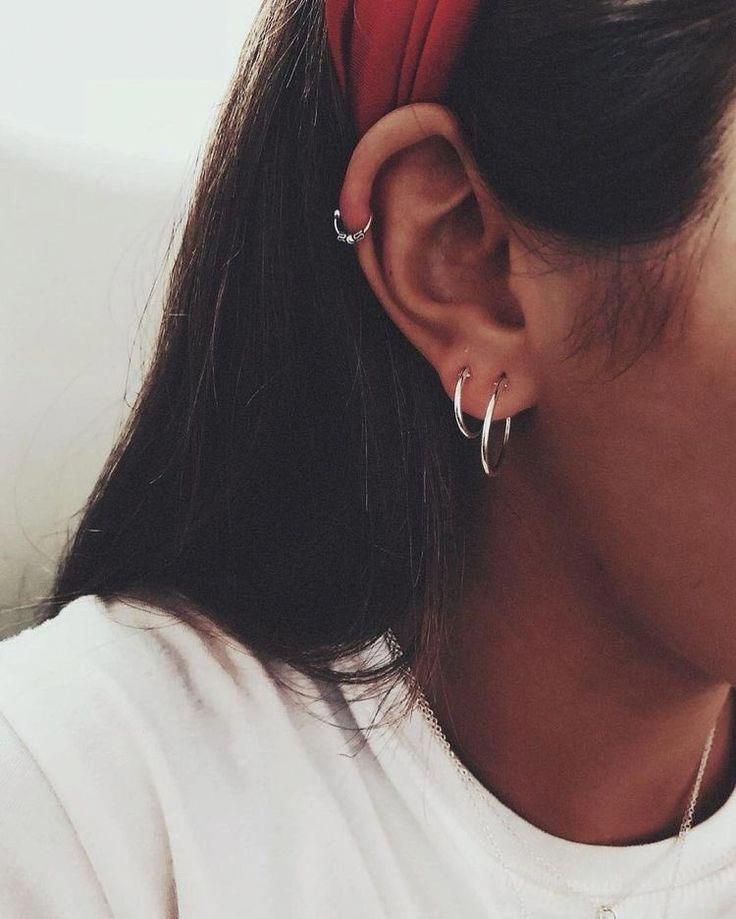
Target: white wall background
(103, 116)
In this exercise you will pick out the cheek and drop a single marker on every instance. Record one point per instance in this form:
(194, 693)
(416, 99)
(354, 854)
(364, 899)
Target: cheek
(645, 465)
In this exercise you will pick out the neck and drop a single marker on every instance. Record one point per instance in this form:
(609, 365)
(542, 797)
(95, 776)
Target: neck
(550, 695)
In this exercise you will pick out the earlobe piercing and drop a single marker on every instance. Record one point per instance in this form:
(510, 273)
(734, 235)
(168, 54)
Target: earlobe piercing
(487, 421)
(462, 377)
(485, 430)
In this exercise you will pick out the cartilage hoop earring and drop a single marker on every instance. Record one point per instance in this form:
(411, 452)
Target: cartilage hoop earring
(493, 470)
(349, 238)
(461, 378)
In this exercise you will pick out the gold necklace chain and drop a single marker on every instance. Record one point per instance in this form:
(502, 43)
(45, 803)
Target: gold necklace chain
(604, 911)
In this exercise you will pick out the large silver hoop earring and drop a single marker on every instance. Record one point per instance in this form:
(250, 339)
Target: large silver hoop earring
(461, 378)
(487, 421)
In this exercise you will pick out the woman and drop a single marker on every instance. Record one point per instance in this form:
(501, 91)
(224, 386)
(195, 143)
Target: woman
(323, 644)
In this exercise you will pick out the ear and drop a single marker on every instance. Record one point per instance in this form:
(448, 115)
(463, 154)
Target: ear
(437, 254)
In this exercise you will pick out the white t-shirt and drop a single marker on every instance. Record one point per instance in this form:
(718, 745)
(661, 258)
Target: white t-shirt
(149, 771)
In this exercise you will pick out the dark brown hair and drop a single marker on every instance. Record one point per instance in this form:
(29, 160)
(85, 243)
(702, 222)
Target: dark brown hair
(291, 467)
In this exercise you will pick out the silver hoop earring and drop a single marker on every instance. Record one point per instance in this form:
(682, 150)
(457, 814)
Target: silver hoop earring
(487, 421)
(349, 238)
(461, 378)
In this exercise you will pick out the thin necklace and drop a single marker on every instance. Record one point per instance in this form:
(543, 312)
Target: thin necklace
(603, 910)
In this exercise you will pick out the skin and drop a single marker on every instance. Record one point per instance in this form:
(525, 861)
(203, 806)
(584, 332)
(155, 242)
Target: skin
(595, 644)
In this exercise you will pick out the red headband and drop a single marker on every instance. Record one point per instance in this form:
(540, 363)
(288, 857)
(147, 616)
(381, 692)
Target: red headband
(387, 53)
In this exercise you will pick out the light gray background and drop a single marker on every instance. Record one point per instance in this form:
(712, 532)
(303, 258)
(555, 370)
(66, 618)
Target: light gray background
(103, 117)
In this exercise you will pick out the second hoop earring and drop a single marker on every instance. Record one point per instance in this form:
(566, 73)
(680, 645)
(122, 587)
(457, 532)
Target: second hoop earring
(485, 430)
(487, 421)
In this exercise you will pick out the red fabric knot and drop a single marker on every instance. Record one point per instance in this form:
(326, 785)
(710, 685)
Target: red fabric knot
(387, 53)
